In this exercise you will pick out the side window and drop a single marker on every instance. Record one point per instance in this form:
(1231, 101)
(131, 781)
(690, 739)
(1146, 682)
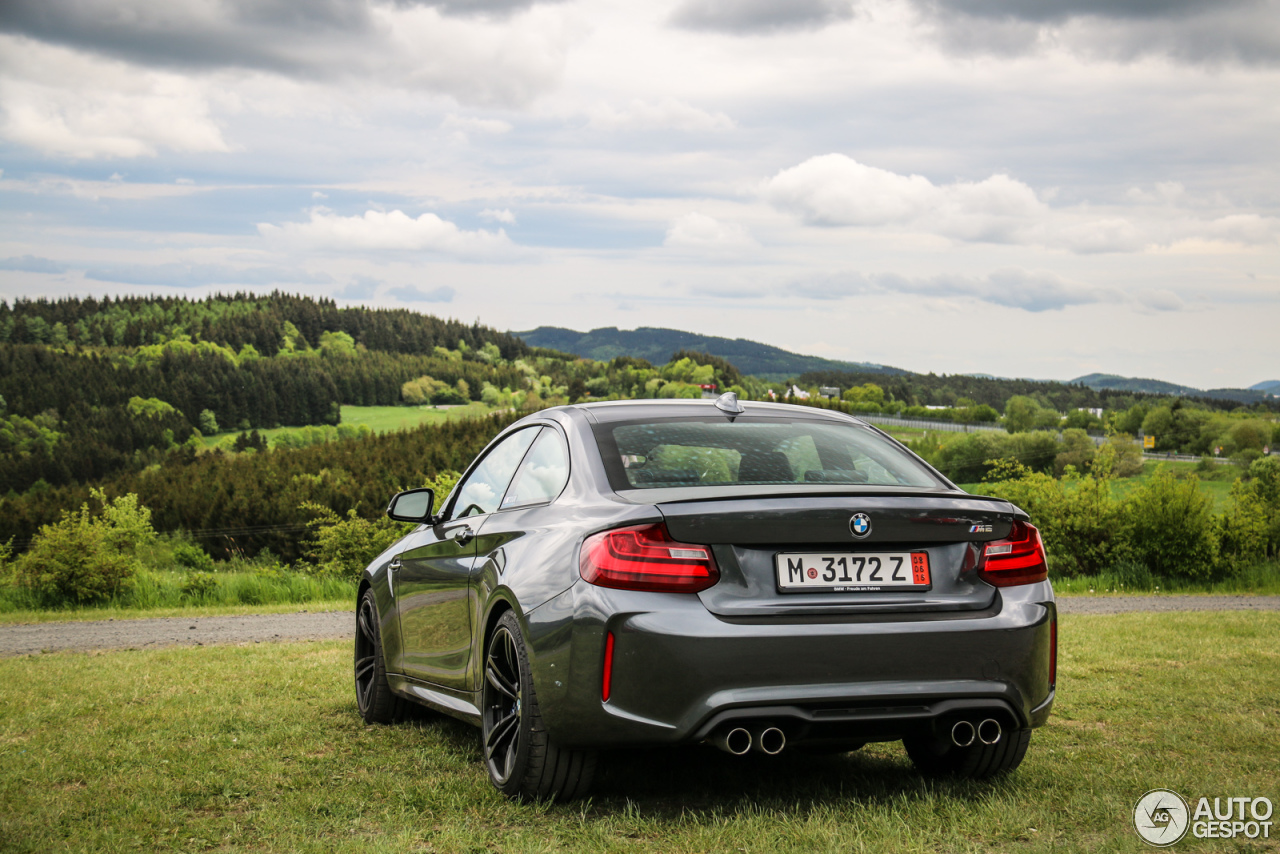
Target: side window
(480, 492)
(543, 473)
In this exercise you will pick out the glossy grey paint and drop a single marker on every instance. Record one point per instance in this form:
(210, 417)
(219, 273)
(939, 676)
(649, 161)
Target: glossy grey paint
(741, 648)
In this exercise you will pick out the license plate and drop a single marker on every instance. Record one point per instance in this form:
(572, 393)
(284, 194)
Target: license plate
(847, 571)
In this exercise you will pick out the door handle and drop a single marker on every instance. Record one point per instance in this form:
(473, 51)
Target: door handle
(391, 576)
(461, 535)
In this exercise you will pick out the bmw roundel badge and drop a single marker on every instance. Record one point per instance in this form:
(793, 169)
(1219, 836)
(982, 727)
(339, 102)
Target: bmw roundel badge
(860, 525)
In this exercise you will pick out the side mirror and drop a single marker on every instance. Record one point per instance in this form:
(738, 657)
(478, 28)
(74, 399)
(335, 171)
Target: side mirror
(412, 505)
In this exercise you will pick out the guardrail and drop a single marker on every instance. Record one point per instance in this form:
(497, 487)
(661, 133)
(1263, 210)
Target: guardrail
(1182, 458)
(925, 423)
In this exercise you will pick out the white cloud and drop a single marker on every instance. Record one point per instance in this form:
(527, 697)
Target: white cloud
(475, 124)
(1012, 287)
(68, 104)
(699, 231)
(476, 61)
(412, 293)
(113, 188)
(834, 189)
(381, 230)
(1160, 300)
(665, 114)
(837, 191)
(503, 216)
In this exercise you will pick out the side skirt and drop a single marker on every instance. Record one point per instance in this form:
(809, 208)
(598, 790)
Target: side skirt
(463, 705)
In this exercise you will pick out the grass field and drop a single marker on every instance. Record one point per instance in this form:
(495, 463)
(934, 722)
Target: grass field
(259, 748)
(380, 419)
(164, 593)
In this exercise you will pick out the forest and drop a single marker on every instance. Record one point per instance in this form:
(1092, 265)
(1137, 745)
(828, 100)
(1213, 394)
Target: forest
(119, 394)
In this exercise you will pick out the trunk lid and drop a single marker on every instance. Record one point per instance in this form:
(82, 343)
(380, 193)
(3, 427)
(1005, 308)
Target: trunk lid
(748, 534)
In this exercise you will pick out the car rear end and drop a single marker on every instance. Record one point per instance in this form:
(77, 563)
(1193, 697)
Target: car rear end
(801, 580)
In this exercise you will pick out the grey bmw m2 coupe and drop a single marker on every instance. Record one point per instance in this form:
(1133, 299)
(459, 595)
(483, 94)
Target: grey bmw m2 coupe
(758, 577)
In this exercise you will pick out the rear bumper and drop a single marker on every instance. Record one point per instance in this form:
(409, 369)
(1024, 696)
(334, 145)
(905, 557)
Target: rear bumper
(679, 672)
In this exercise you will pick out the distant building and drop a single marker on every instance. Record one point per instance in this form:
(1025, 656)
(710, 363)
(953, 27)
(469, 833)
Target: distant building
(798, 393)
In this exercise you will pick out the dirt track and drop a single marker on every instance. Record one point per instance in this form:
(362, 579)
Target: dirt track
(328, 625)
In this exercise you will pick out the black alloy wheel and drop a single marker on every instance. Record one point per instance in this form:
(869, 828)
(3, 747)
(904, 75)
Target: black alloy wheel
(374, 699)
(522, 762)
(503, 705)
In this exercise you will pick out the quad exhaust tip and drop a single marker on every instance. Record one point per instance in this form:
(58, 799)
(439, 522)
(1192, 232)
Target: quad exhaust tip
(963, 734)
(736, 741)
(739, 741)
(770, 740)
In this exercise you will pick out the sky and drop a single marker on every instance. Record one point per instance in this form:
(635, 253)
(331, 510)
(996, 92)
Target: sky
(1029, 188)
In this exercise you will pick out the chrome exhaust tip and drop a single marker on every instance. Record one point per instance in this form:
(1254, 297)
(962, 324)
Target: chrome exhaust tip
(736, 740)
(962, 734)
(989, 731)
(771, 740)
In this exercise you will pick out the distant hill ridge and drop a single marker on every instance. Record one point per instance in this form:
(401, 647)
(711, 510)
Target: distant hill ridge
(773, 363)
(657, 344)
(1099, 382)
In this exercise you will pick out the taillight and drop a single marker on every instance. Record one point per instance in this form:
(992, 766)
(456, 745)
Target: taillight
(646, 558)
(1017, 559)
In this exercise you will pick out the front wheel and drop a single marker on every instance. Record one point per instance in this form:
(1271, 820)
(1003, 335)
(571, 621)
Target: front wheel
(976, 762)
(522, 761)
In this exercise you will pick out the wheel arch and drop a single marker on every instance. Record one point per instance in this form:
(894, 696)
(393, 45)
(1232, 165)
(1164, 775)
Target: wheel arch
(499, 604)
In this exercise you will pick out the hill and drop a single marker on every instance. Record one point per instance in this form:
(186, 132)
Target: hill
(1113, 382)
(657, 345)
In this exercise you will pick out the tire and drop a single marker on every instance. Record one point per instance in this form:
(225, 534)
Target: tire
(978, 761)
(374, 699)
(522, 761)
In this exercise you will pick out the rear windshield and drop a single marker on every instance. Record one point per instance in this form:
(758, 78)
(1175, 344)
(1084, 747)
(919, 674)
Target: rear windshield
(715, 451)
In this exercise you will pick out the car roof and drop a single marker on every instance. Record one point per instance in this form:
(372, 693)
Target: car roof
(607, 411)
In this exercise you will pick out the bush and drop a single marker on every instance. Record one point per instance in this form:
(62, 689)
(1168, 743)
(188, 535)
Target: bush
(1083, 527)
(87, 556)
(199, 586)
(1078, 451)
(192, 557)
(344, 546)
(1171, 528)
(972, 456)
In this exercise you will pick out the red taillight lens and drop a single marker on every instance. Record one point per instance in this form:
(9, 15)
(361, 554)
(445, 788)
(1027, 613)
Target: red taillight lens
(1017, 559)
(646, 558)
(606, 680)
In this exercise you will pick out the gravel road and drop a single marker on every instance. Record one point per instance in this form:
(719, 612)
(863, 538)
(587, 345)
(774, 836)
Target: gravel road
(328, 625)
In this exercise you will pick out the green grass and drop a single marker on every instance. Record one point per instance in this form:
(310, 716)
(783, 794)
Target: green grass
(155, 593)
(380, 419)
(111, 612)
(259, 748)
(384, 419)
(1216, 484)
(1262, 578)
